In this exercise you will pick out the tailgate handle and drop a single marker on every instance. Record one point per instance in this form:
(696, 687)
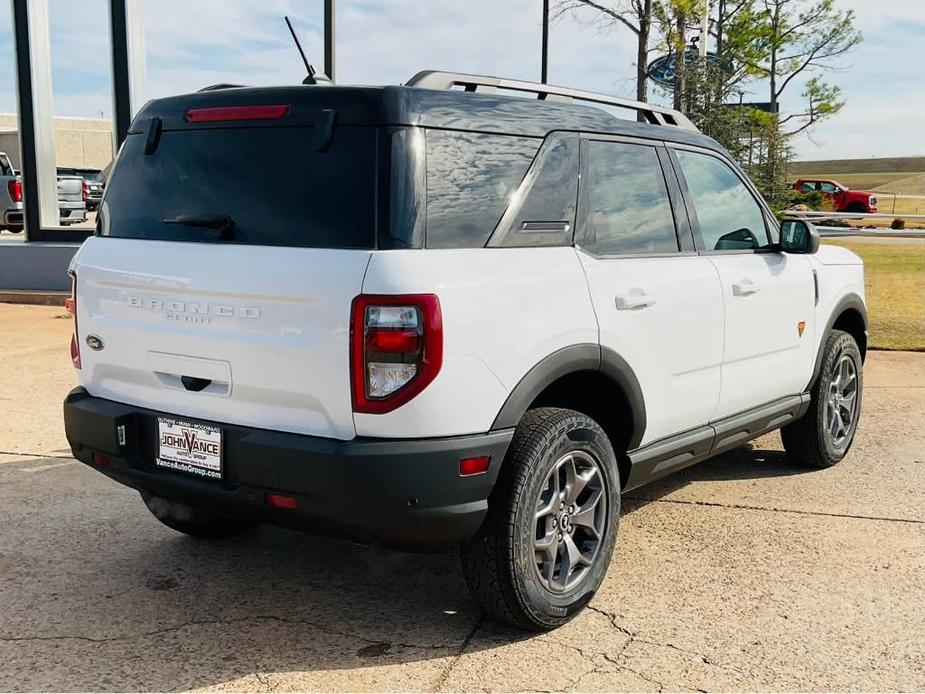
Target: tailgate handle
(195, 384)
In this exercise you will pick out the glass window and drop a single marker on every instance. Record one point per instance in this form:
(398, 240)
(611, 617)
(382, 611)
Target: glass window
(808, 187)
(626, 208)
(730, 217)
(542, 212)
(471, 178)
(828, 187)
(269, 182)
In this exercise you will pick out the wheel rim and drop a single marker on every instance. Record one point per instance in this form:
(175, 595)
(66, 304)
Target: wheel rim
(571, 516)
(842, 401)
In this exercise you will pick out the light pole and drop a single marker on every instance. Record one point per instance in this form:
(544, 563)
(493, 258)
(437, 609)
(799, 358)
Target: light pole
(544, 62)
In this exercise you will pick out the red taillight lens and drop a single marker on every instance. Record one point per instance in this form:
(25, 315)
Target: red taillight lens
(84, 191)
(15, 188)
(396, 345)
(280, 500)
(229, 113)
(70, 304)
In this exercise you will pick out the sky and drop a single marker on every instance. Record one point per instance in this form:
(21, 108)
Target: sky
(193, 43)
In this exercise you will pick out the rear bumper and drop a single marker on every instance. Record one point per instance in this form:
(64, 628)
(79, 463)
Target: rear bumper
(399, 492)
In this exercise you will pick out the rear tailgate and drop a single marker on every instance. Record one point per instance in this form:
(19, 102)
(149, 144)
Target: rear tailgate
(242, 320)
(269, 333)
(70, 189)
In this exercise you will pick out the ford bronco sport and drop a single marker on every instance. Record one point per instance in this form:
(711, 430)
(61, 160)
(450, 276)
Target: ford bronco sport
(445, 316)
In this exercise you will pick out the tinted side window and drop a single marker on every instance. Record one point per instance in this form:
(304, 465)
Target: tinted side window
(625, 201)
(729, 216)
(542, 212)
(470, 180)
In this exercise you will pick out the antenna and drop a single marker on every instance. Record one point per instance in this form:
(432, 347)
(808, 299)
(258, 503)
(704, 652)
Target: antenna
(310, 79)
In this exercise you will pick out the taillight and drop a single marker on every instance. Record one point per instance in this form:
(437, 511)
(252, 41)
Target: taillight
(84, 190)
(396, 345)
(15, 188)
(71, 305)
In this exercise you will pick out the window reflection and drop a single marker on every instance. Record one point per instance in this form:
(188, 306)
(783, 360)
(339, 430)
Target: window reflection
(730, 218)
(471, 178)
(628, 209)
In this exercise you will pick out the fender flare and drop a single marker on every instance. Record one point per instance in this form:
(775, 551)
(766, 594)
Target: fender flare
(572, 359)
(850, 300)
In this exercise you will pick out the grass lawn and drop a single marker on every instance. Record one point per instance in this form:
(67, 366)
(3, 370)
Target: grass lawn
(895, 287)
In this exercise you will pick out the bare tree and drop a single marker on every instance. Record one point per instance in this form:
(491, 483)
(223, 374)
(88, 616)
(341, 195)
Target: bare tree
(801, 37)
(634, 15)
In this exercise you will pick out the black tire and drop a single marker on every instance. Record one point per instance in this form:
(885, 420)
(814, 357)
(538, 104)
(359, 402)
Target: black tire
(500, 562)
(809, 440)
(856, 207)
(195, 521)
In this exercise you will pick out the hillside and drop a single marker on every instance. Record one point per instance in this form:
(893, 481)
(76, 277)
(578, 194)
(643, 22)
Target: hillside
(860, 166)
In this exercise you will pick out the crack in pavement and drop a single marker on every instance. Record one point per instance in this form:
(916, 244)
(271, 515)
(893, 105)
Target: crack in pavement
(445, 675)
(746, 507)
(225, 622)
(619, 660)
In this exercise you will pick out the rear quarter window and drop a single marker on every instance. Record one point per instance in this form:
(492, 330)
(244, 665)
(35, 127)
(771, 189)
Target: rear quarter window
(270, 181)
(470, 180)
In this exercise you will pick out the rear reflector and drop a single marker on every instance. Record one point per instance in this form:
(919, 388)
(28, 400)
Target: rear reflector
(229, 113)
(100, 459)
(474, 466)
(280, 500)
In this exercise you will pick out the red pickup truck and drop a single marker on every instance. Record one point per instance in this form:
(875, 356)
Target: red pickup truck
(843, 199)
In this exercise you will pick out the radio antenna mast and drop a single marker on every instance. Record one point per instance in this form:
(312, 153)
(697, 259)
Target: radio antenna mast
(310, 79)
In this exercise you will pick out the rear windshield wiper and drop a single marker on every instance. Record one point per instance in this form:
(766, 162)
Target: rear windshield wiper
(219, 222)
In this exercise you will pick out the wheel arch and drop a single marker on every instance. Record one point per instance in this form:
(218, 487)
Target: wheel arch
(850, 316)
(590, 379)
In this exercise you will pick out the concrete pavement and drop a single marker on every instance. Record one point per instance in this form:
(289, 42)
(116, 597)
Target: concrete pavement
(744, 572)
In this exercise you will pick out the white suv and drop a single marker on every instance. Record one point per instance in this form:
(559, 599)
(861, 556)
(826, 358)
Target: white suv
(433, 316)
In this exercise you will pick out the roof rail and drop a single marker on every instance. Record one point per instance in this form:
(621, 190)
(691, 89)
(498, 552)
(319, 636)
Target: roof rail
(655, 115)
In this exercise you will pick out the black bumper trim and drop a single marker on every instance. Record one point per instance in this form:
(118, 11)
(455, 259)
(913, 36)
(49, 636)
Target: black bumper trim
(400, 492)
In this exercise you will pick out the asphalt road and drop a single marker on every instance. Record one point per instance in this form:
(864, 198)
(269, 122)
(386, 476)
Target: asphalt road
(741, 573)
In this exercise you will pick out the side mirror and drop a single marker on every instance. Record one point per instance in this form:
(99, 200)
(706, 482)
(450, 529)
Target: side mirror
(798, 236)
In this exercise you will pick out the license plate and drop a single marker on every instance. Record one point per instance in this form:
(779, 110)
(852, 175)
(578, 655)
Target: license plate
(192, 448)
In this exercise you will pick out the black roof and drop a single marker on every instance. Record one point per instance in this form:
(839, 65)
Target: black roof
(396, 105)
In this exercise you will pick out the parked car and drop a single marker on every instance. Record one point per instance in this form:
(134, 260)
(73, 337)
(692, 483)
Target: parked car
(93, 184)
(446, 317)
(71, 203)
(843, 199)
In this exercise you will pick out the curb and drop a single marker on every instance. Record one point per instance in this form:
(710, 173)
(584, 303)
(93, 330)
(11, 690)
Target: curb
(32, 297)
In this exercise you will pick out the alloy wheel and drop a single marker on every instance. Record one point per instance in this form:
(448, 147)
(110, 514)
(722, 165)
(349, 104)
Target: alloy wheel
(571, 518)
(841, 404)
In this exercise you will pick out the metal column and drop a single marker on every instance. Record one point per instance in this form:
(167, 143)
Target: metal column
(36, 128)
(329, 30)
(128, 59)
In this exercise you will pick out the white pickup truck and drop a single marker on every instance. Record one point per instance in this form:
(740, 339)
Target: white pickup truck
(72, 198)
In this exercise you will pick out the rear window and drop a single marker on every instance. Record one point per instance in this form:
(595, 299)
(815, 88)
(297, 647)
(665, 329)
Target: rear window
(269, 181)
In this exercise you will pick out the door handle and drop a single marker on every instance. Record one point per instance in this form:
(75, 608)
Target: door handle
(745, 287)
(634, 299)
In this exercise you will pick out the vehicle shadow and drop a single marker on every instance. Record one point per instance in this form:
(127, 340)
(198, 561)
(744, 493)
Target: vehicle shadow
(138, 607)
(748, 462)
